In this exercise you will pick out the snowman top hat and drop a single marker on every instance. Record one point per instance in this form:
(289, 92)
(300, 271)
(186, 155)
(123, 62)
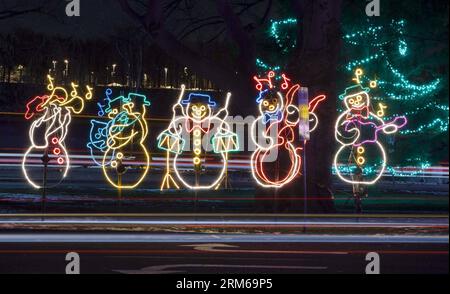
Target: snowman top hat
(197, 97)
(353, 90)
(138, 99)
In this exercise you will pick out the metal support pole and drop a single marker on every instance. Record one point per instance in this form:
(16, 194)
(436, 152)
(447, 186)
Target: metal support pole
(305, 182)
(196, 190)
(45, 160)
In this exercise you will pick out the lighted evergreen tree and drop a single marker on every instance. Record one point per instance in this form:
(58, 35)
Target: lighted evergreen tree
(410, 63)
(280, 38)
(411, 72)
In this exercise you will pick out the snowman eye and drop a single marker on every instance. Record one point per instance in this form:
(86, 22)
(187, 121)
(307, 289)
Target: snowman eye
(274, 101)
(194, 107)
(265, 103)
(203, 108)
(358, 98)
(351, 101)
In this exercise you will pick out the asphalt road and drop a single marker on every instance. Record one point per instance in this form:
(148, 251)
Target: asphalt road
(221, 254)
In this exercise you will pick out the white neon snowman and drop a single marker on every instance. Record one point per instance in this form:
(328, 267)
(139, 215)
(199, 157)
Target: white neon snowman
(194, 116)
(357, 131)
(52, 117)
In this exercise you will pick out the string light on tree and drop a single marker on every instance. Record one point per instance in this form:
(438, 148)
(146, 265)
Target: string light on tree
(265, 66)
(414, 89)
(372, 170)
(283, 39)
(282, 32)
(401, 88)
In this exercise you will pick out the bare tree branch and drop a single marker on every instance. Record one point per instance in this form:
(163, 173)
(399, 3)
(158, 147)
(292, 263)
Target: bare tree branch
(299, 8)
(171, 7)
(216, 20)
(186, 34)
(220, 33)
(233, 23)
(12, 13)
(154, 15)
(154, 25)
(130, 11)
(247, 49)
(198, 24)
(266, 13)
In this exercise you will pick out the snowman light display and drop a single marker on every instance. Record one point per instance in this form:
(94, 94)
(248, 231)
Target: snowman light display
(357, 130)
(280, 116)
(194, 120)
(48, 132)
(125, 160)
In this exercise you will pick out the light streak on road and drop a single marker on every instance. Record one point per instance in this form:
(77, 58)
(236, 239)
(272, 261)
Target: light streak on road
(14, 160)
(211, 223)
(443, 217)
(214, 238)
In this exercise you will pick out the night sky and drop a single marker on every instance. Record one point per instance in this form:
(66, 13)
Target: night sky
(98, 18)
(102, 18)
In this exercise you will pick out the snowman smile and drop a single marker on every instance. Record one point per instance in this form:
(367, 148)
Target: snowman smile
(198, 114)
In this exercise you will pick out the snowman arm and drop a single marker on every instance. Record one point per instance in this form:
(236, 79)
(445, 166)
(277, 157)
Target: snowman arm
(34, 126)
(178, 107)
(64, 125)
(392, 126)
(224, 127)
(117, 140)
(262, 134)
(54, 127)
(293, 114)
(396, 124)
(345, 136)
(315, 120)
(315, 102)
(222, 114)
(175, 128)
(177, 110)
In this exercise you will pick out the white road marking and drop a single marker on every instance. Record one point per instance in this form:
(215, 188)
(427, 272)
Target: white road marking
(225, 248)
(170, 269)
